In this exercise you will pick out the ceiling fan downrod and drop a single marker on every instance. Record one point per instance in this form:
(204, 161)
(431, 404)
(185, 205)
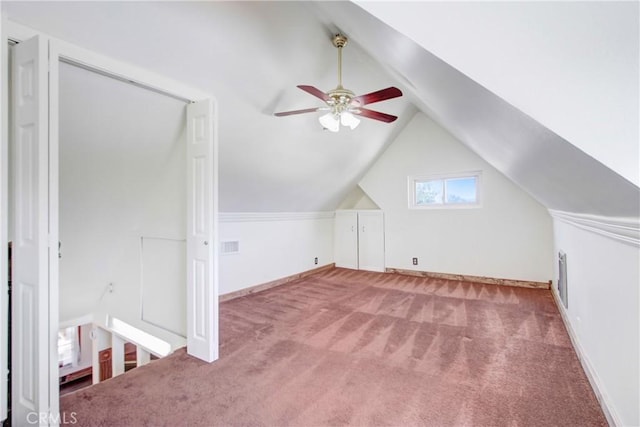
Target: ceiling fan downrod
(339, 98)
(340, 41)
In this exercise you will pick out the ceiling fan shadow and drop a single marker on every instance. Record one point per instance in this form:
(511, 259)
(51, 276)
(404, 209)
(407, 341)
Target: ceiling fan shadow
(271, 106)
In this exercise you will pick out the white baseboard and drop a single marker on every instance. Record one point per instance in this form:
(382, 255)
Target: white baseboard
(469, 278)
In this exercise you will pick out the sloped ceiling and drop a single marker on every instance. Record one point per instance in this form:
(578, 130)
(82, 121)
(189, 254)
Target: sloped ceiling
(571, 66)
(552, 169)
(250, 55)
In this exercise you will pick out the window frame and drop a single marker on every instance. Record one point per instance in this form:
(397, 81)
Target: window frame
(414, 179)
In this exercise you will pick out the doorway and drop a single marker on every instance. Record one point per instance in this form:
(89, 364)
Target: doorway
(122, 206)
(35, 384)
(122, 199)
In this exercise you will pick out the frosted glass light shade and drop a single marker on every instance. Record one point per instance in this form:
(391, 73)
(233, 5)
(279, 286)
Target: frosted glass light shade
(348, 119)
(329, 121)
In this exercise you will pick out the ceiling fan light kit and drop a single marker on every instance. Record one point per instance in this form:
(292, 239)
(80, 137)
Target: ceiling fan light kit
(342, 104)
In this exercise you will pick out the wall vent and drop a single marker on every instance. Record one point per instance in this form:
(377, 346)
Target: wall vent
(230, 247)
(562, 280)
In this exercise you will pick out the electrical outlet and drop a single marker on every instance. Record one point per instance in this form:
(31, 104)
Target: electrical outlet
(315, 260)
(415, 261)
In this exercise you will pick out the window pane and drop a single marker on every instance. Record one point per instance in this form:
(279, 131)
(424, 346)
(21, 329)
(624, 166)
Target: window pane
(429, 192)
(66, 346)
(462, 190)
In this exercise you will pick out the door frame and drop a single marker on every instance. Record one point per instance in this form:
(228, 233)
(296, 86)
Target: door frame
(66, 52)
(4, 209)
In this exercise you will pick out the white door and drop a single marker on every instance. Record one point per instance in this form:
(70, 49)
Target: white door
(202, 300)
(30, 374)
(346, 239)
(371, 240)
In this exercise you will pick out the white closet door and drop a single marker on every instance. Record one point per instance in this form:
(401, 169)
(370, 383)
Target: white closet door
(202, 300)
(346, 239)
(30, 297)
(371, 240)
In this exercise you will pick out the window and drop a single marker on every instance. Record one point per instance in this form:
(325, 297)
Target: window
(68, 346)
(445, 191)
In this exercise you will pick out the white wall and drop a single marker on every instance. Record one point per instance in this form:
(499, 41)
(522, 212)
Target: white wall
(603, 277)
(122, 177)
(273, 246)
(357, 199)
(509, 237)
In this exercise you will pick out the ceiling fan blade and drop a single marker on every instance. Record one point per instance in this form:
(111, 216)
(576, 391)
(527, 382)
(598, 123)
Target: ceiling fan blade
(315, 92)
(376, 115)
(377, 96)
(290, 113)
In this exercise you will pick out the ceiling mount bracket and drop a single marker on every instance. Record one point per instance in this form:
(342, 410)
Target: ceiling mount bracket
(340, 40)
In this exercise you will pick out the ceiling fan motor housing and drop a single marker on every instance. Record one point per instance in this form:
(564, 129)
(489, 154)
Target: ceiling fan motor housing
(340, 99)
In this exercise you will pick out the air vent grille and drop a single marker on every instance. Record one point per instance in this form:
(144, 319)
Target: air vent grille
(229, 247)
(562, 280)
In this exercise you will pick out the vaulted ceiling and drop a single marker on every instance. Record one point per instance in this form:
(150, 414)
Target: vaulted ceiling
(546, 92)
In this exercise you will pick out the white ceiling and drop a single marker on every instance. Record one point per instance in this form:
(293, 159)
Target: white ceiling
(251, 55)
(571, 66)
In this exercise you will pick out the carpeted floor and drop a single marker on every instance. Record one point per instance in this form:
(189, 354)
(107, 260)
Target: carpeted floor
(347, 347)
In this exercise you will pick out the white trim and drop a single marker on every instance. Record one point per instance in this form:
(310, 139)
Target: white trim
(413, 179)
(272, 216)
(106, 65)
(54, 231)
(623, 229)
(596, 384)
(4, 226)
(140, 338)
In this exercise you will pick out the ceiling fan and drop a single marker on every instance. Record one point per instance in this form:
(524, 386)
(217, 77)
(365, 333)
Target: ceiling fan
(342, 104)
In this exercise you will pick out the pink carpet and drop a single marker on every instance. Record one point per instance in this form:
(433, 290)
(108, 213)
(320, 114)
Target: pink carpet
(347, 347)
